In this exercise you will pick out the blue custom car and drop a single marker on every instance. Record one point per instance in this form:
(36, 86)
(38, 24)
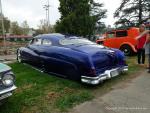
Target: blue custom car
(7, 79)
(73, 57)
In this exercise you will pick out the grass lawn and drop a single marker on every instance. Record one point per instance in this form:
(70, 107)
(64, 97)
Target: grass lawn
(41, 93)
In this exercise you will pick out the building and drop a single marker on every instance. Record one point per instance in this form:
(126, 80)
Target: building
(16, 38)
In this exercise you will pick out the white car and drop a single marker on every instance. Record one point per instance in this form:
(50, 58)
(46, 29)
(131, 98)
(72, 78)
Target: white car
(7, 80)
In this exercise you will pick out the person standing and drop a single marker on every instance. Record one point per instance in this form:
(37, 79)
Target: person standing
(147, 51)
(141, 41)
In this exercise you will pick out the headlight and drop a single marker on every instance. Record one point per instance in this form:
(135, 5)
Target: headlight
(8, 80)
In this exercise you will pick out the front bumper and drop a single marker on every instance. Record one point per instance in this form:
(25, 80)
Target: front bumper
(7, 92)
(108, 74)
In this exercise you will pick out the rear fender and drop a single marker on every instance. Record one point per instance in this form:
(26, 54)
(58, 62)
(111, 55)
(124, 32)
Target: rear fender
(131, 45)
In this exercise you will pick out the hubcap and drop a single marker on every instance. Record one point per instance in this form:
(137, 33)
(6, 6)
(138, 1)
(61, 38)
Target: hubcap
(19, 59)
(126, 50)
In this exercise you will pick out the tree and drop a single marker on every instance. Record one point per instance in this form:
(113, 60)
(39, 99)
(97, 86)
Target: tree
(16, 29)
(25, 28)
(44, 28)
(133, 12)
(100, 28)
(79, 17)
(6, 25)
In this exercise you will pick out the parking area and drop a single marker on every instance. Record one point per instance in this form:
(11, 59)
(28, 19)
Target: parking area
(132, 97)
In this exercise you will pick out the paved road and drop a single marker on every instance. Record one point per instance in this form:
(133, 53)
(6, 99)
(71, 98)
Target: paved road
(134, 98)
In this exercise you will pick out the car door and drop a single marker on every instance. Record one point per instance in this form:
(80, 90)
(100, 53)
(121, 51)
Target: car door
(53, 59)
(33, 53)
(110, 40)
(121, 37)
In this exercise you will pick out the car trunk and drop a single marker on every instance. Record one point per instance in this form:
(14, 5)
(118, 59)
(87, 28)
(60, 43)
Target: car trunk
(102, 58)
(104, 61)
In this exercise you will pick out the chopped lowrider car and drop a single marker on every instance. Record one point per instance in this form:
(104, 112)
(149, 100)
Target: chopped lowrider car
(73, 57)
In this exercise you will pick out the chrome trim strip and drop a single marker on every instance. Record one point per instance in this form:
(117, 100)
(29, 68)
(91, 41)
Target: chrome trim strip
(5, 96)
(8, 90)
(101, 77)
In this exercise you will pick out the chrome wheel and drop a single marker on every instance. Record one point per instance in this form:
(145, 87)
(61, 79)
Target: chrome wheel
(19, 56)
(126, 49)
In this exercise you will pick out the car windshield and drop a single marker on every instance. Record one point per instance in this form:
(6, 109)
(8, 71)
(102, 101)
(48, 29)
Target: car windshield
(75, 41)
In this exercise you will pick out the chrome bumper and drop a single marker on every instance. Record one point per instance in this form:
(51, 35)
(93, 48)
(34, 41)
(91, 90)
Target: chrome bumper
(7, 92)
(104, 76)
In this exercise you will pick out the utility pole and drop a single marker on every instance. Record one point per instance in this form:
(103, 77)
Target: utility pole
(3, 28)
(46, 7)
(48, 13)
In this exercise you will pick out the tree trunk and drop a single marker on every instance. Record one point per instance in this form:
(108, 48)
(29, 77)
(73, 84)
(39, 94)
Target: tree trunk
(140, 12)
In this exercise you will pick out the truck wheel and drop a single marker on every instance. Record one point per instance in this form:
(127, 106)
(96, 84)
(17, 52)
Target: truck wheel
(126, 49)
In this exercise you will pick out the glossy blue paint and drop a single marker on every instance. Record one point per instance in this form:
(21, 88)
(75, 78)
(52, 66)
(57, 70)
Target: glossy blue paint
(71, 61)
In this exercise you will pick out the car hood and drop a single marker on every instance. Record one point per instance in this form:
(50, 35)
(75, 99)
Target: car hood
(4, 67)
(92, 49)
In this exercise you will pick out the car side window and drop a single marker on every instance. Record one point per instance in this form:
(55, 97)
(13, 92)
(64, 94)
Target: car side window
(121, 34)
(36, 41)
(46, 42)
(111, 35)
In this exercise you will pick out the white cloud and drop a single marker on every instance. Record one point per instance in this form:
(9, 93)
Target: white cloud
(111, 6)
(30, 10)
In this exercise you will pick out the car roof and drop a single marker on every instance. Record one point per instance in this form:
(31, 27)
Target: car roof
(56, 36)
(52, 35)
(116, 30)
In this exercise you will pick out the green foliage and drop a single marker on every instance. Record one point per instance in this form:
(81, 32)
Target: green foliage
(133, 12)
(79, 17)
(44, 28)
(6, 25)
(16, 29)
(25, 28)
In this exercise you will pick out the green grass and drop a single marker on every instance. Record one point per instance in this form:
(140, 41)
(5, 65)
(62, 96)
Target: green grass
(41, 93)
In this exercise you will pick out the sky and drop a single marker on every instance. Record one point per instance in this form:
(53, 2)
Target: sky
(32, 10)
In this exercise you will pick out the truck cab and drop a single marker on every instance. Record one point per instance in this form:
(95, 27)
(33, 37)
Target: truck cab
(125, 40)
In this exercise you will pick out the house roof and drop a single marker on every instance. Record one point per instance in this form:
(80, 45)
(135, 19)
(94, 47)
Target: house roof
(17, 36)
